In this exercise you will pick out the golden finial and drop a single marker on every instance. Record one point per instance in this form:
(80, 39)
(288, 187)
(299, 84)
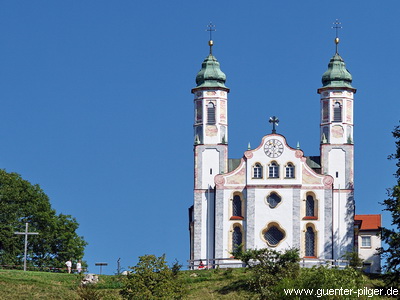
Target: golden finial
(211, 28)
(337, 27)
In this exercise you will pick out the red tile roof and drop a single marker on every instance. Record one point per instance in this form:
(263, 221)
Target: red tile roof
(368, 222)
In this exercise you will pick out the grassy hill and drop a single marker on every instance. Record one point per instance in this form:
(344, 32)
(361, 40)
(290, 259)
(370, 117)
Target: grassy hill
(43, 285)
(204, 284)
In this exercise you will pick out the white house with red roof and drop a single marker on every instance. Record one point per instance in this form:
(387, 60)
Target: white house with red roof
(367, 240)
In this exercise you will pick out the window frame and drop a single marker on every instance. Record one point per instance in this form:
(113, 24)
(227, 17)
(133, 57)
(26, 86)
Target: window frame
(238, 200)
(315, 207)
(259, 168)
(211, 114)
(270, 195)
(279, 228)
(234, 231)
(337, 112)
(273, 169)
(368, 237)
(310, 229)
(292, 169)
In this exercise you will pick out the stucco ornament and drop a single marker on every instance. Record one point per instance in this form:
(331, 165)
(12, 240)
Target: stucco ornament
(219, 180)
(328, 181)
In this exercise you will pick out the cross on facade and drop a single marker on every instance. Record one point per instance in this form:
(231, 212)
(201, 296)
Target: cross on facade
(26, 233)
(337, 27)
(274, 120)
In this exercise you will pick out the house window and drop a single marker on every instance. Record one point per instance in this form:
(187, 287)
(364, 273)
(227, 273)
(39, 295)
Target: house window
(289, 170)
(365, 241)
(310, 206)
(210, 114)
(237, 206)
(337, 112)
(310, 241)
(273, 170)
(257, 171)
(273, 199)
(237, 238)
(274, 235)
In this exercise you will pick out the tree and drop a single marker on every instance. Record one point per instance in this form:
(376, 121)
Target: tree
(22, 202)
(151, 278)
(391, 236)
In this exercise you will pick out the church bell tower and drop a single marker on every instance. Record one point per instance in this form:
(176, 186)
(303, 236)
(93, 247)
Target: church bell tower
(210, 151)
(337, 148)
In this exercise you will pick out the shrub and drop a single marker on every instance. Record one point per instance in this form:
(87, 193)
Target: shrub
(268, 268)
(151, 279)
(320, 279)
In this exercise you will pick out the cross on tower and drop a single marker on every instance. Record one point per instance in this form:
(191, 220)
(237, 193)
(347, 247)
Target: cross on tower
(274, 120)
(337, 27)
(211, 28)
(26, 233)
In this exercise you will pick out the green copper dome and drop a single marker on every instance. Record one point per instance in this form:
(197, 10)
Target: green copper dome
(337, 75)
(210, 74)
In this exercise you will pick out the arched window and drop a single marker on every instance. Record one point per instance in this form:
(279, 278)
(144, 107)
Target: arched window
(210, 114)
(310, 206)
(273, 170)
(337, 112)
(257, 171)
(273, 199)
(237, 238)
(310, 242)
(325, 132)
(289, 170)
(237, 206)
(274, 235)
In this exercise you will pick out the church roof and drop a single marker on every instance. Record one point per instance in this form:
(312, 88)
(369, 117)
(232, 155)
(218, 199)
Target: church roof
(337, 75)
(210, 74)
(368, 222)
(314, 162)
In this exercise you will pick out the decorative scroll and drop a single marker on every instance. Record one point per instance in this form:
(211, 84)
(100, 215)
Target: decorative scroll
(248, 154)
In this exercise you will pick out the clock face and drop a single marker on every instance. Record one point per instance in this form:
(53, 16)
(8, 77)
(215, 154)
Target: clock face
(273, 148)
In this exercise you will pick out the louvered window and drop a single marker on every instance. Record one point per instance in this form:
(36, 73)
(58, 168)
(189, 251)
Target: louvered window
(210, 114)
(337, 112)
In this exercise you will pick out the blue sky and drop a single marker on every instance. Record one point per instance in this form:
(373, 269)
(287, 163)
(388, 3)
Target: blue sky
(96, 104)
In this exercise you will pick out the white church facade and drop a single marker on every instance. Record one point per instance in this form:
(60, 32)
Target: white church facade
(274, 196)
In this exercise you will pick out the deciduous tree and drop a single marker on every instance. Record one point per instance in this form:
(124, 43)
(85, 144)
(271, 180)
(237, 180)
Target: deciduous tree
(391, 236)
(22, 202)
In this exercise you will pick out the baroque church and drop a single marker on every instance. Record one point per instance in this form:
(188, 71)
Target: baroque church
(276, 196)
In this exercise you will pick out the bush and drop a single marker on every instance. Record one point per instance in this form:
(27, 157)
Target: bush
(151, 278)
(354, 259)
(319, 279)
(268, 268)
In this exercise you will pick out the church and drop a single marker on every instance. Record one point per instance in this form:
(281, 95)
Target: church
(276, 196)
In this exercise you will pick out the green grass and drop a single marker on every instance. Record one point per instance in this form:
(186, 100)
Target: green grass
(200, 284)
(44, 285)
